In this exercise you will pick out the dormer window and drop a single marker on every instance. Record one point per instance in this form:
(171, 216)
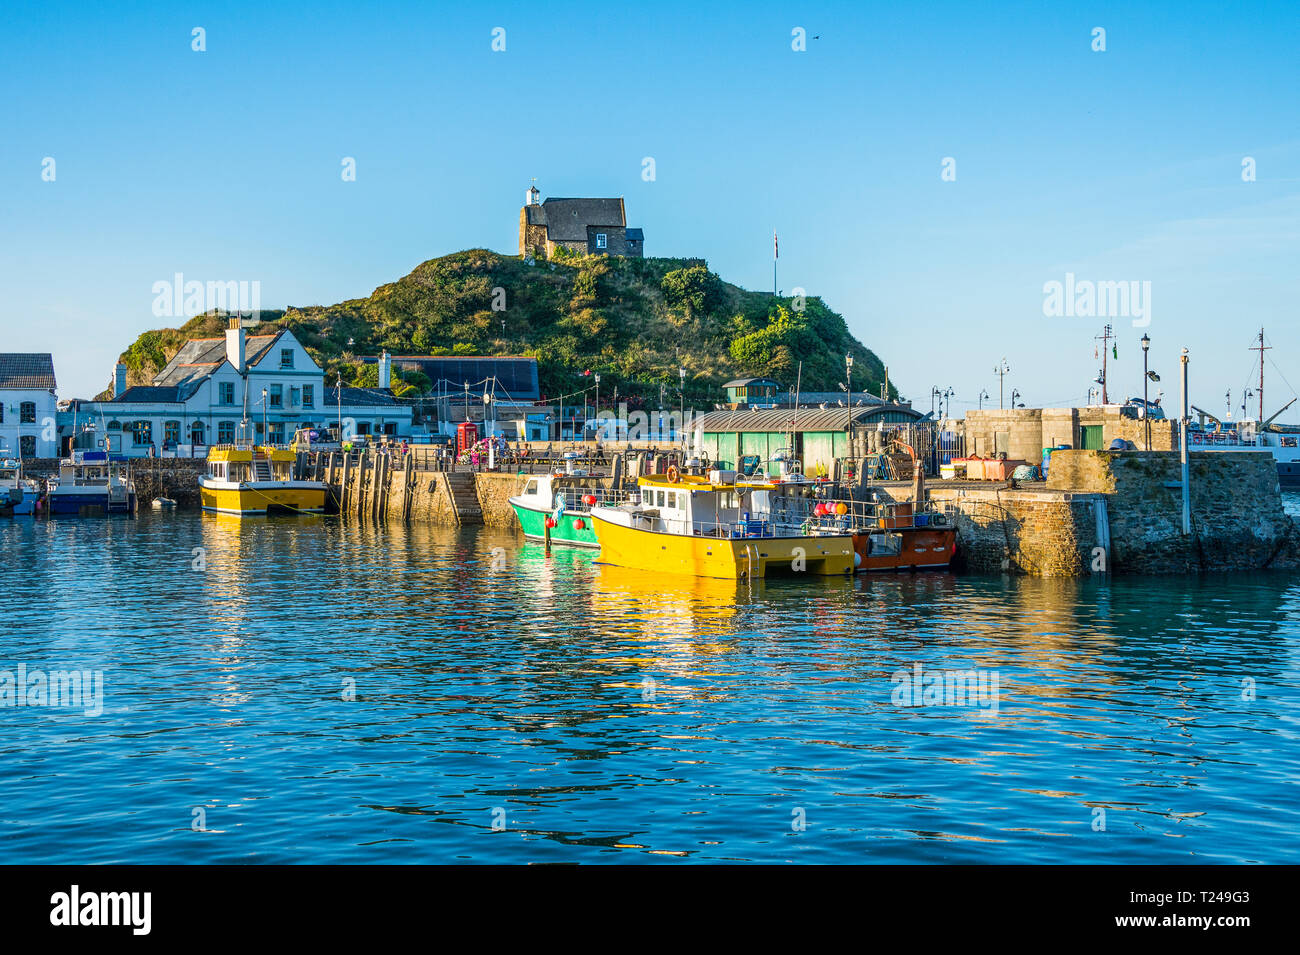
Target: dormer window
(286, 357)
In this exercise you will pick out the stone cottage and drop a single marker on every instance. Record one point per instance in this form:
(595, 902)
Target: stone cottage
(584, 226)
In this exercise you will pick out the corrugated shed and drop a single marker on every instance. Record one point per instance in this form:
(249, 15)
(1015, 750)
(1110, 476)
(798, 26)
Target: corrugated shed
(785, 419)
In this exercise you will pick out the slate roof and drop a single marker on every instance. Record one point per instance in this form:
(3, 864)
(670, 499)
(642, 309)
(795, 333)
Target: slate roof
(153, 393)
(360, 396)
(27, 370)
(200, 357)
(634, 235)
(517, 376)
(567, 219)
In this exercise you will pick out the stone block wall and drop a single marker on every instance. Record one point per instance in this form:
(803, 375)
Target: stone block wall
(494, 493)
(1029, 430)
(1237, 517)
(1038, 533)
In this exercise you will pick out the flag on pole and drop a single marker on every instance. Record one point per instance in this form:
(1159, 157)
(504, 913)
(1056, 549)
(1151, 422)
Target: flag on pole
(776, 252)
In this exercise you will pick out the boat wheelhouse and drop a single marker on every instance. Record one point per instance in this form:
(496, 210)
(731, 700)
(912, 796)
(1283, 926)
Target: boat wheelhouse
(713, 526)
(565, 499)
(90, 483)
(17, 492)
(256, 480)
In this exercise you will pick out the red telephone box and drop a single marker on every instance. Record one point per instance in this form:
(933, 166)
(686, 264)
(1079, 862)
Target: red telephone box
(466, 436)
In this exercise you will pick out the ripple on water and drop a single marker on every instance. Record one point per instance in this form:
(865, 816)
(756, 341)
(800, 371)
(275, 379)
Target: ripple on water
(558, 709)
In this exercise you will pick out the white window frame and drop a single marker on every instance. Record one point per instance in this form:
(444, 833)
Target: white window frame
(602, 241)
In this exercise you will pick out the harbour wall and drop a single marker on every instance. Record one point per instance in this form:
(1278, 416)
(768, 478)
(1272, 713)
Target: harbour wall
(1121, 512)
(388, 488)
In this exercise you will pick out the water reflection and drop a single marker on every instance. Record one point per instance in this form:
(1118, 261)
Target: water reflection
(607, 712)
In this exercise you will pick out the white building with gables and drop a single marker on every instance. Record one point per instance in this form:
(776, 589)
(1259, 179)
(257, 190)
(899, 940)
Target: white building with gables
(28, 412)
(212, 386)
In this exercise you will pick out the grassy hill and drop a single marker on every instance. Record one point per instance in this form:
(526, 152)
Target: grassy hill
(636, 321)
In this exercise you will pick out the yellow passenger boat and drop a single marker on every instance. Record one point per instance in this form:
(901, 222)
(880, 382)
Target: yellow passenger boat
(703, 525)
(257, 480)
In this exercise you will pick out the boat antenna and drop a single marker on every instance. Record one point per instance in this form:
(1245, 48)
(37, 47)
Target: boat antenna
(794, 419)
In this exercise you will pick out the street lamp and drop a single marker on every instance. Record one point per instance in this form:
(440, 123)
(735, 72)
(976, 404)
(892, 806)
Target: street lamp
(1015, 394)
(947, 401)
(1001, 371)
(598, 401)
(338, 392)
(1146, 407)
(265, 433)
(935, 393)
(983, 394)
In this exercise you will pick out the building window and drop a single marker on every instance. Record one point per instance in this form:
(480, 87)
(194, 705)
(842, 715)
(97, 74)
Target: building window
(309, 396)
(27, 412)
(142, 433)
(171, 432)
(286, 357)
(275, 432)
(277, 396)
(27, 446)
(600, 240)
(390, 428)
(363, 427)
(225, 432)
(226, 392)
(196, 433)
(2, 412)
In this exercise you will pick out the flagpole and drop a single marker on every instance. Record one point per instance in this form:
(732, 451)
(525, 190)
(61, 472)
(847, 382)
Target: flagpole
(775, 255)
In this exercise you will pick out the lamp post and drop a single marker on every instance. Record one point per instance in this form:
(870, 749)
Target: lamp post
(1015, 396)
(338, 392)
(597, 415)
(265, 433)
(983, 394)
(1001, 371)
(1183, 418)
(934, 393)
(1146, 407)
(947, 401)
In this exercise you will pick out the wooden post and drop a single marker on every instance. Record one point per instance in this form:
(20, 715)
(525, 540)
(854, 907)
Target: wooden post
(409, 486)
(362, 466)
(343, 486)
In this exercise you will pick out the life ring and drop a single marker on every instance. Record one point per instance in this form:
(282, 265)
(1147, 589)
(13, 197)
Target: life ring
(674, 475)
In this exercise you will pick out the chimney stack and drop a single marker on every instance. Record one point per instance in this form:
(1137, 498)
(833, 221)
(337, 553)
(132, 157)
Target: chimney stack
(119, 379)
(385, 370)
(235, 344)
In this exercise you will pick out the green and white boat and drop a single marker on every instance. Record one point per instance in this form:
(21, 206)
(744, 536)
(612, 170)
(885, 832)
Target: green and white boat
(565, 498)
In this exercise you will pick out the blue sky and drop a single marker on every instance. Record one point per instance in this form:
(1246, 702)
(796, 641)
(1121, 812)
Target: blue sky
(1116, 165)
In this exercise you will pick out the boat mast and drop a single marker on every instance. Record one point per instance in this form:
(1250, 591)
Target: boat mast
(1261, 348)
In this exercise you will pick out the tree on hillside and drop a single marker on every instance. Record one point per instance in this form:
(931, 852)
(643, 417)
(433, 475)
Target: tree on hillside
(694, 290)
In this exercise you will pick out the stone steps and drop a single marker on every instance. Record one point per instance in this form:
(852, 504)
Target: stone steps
(463, 491)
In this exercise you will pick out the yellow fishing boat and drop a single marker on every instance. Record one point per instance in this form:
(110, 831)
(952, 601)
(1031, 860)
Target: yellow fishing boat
(702, 525)
(256, 480)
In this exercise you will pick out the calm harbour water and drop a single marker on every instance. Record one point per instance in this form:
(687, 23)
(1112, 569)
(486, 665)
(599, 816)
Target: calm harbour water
(511, 707)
